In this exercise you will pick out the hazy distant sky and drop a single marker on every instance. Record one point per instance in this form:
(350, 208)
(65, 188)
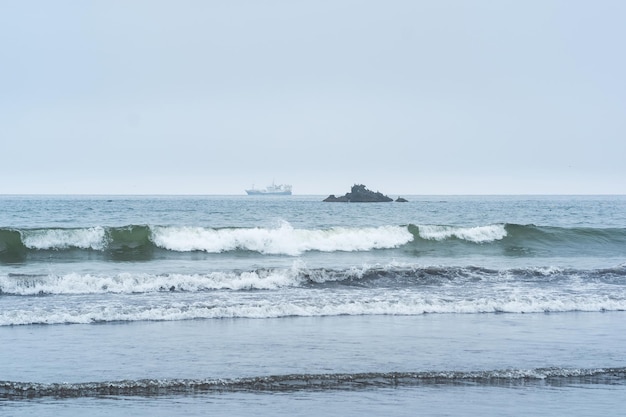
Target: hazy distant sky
(407, 97)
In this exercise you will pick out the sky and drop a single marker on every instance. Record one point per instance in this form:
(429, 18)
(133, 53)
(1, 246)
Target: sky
(405, 96)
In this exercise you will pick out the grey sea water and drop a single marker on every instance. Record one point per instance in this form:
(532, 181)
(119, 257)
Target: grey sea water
(232, 305)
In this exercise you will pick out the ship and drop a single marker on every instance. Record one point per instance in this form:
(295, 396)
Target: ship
(274, 189)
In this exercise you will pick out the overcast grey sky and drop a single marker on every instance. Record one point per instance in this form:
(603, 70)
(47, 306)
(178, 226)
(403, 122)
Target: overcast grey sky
(407, 97)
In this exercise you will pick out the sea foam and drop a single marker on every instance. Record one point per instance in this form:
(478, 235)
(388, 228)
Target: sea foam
(285, 383)
(477, 234)
(281, 240)
(316, 304)
(85, 238)
(127, 283)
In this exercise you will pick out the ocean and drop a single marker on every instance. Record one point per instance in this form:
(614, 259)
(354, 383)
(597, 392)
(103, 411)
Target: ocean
(272, 306)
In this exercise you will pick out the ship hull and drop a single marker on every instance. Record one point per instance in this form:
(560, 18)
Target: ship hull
(260, 192)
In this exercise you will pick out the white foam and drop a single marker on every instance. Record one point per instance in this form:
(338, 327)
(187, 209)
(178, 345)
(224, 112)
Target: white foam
(127, 283)
(322, 304)
(281, 240)
(87, 238)
(288, 292)
(477, 234)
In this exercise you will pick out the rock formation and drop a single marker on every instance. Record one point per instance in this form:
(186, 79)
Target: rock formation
(359, 194)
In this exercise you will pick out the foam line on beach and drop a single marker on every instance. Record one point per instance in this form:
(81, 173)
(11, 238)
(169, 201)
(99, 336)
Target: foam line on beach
(510, 378)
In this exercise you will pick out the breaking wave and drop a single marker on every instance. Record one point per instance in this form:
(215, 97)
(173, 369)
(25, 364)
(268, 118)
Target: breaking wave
(478, 234)
(299, 276)
(302, 292)
(282, 240)
(137, 241)
(144, 242)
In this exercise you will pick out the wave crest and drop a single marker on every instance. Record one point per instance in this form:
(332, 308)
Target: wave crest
(85, 238)
(282, 240)
(477, 234)
(145, 242)
(127, 283)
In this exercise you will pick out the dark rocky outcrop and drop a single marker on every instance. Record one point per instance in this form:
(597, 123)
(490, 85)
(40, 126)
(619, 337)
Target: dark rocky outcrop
(401, 200)
(332, 199)
(359, 194)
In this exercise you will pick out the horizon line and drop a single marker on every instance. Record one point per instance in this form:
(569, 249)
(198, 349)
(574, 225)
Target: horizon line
(302, 195)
